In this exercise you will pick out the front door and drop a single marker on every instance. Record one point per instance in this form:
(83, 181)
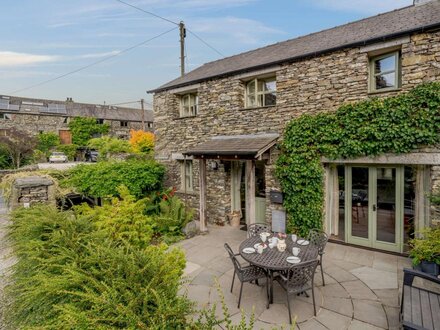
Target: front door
(374, 206)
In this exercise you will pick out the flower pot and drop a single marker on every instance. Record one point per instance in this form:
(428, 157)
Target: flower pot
(430, 268)
(234, 219)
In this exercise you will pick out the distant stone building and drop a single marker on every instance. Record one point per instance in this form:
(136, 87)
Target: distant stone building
(217, 126)
(37, 115)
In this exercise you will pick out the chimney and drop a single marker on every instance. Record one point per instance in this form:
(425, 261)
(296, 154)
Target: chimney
(69, 99)
(422, 2)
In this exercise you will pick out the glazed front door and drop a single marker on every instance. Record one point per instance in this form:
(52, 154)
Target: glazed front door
(374, 206)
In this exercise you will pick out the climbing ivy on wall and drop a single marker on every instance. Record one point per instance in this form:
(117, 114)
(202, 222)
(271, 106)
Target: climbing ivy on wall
(396, 124)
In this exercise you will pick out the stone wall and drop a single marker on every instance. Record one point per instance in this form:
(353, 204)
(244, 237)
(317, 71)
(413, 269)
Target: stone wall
(30, 190)
(310, 86)
(33, 124)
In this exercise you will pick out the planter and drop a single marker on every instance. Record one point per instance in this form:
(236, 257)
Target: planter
(234, 219)
(428, 267)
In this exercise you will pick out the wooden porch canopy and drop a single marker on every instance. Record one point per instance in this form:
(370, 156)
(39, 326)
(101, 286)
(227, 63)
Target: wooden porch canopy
(234, 147)
(239, 147)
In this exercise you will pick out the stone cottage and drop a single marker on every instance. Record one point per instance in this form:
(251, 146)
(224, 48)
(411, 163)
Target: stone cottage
(37, 115)
(217, 126)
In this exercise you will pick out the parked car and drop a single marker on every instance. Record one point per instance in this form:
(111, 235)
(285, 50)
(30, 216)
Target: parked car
(91, 156)
(58, 157)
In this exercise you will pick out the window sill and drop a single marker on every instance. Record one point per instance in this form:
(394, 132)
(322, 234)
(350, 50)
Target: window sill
(184, 117)
(387, 90)
(258, 108)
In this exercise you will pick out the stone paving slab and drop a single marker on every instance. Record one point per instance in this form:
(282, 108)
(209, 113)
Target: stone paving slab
(361, 290)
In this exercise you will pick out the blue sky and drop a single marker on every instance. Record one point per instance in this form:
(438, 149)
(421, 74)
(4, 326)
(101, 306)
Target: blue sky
(42, 39)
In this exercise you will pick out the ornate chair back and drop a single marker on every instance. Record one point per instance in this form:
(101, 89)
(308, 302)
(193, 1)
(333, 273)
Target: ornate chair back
(300, 274)
(319, 239)
(257, 228)
(235, 262)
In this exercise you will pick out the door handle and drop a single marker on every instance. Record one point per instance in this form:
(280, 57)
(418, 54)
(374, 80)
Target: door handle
(374, 207)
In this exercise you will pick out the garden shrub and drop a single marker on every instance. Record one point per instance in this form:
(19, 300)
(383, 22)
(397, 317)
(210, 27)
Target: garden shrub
(123, 219)
(102, 179)
(397, 124)
(69, 150)
(47, 141)
(107, 146)
(85, 128)
(141, 142)
(71, 275)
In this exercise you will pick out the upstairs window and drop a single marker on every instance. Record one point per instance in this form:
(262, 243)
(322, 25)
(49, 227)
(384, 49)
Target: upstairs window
(124, 123)
(385, 72)
(261, 92)
(5, 116)
(188, 105)
(100, 121)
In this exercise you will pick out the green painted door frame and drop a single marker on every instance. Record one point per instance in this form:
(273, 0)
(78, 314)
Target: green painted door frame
(372, 239)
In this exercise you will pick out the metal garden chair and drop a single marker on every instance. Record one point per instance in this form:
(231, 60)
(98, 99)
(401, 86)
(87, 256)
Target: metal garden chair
(256, 229)
(298, 279)
(245, 273)
(319, 239)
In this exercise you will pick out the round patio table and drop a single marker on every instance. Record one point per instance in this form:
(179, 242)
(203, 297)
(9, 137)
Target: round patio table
(271, 259)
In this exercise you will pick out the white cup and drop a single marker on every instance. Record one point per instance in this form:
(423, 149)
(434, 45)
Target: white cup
(263, 237)
(260, 249)
(295, 251)
(294, 238)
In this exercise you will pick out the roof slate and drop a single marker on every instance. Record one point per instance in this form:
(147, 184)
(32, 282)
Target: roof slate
(372, 29)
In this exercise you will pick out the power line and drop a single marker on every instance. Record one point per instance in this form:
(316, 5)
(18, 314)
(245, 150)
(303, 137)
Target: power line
(170, 21)
(214, 49)
(128, 102)
(148, 12)
(93, 63)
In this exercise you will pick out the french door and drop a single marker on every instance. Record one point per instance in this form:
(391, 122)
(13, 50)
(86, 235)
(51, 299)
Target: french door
(374, 201)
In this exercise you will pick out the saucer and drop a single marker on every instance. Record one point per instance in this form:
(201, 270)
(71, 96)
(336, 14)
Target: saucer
(293, 260)
(248, 250)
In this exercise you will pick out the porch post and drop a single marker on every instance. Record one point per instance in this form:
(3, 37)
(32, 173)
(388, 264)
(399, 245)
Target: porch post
(202, 189)
(422, 207)
(250, 192)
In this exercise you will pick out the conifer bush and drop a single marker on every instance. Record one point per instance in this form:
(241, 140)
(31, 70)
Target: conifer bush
(71, 274)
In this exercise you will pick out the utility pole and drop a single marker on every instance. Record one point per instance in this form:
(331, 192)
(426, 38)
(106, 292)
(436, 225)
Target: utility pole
(182, 47)
(143, 115)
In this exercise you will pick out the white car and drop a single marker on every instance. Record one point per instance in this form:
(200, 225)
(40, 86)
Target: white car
(58, 157)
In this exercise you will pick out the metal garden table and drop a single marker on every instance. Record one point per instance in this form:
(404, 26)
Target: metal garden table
(271, 259)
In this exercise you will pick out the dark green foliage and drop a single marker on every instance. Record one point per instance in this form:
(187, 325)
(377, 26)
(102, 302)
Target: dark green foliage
(397, 124)
(103, 179)
(426, 248)
(69, 150)
(84, 128)
(5, 159)
(47, 141)
(71, 275)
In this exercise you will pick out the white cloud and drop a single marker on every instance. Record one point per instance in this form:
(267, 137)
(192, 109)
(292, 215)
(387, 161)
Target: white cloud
(98, 55)
(11, 59)
(360, 6)
(243, 30)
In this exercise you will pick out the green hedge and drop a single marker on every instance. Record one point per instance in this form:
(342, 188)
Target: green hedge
(397, 124)
(102, 179)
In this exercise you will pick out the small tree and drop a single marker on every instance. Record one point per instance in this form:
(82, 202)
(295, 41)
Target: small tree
(18, 145)
(107, 146)
(47, 141)
(141, 142)
(83, 129)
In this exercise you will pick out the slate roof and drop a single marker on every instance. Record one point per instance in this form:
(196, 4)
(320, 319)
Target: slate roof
(389, 25)
(73, 109)
(239, 146)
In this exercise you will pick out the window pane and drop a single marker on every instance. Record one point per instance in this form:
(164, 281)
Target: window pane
(260, 84)
(260, 100)
(385, 64)
(386, 80)
(251, 87)
(270, 85)
(251, 101)
(270, 99)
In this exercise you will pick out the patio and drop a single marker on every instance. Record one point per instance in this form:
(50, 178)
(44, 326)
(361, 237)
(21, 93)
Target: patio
(361, 291)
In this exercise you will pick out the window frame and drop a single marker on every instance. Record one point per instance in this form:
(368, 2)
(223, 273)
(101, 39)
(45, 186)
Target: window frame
(5, 116)
(258, 93)
(397, 70)
(193, 107)
(123, 123)
(187, 178)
